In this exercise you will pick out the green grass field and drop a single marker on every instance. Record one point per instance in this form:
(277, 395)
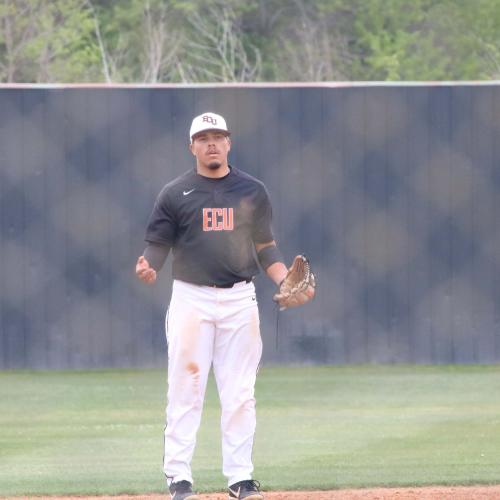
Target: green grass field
(318, 427)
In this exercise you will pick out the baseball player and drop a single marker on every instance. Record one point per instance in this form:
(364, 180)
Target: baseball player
(215, 219)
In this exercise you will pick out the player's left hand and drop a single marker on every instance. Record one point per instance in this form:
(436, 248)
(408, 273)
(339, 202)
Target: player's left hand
(299, 285)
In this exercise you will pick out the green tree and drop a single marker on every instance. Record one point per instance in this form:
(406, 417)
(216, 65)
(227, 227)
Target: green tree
(470, 31)
(391, 40)
(248, 40)
(44, 41)
(422, 39)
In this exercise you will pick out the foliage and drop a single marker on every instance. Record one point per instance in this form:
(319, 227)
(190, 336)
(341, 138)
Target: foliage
(44, 41)
(248, 40)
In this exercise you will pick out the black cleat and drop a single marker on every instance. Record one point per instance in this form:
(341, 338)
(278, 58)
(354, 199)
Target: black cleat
(248, 489)
(182, 490)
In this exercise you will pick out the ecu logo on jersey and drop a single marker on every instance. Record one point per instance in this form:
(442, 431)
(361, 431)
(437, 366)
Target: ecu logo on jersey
(218, 219)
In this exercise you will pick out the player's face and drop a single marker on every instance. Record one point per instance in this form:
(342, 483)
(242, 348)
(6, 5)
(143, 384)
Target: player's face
(211, 149)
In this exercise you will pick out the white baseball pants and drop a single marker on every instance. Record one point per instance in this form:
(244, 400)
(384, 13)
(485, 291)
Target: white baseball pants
(206, 326)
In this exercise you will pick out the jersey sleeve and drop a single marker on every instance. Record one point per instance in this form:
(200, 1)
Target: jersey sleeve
(156, 254)
(161, 226)
(262, 230)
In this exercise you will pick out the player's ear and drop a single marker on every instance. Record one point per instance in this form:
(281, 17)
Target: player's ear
(228, 139)
(191, 148)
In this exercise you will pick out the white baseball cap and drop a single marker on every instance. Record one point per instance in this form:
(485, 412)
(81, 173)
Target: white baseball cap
(207, 121)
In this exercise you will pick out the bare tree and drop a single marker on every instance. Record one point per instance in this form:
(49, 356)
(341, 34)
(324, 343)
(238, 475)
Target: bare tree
(100, 41)
(312, 49)
(146, 53)
(218, 53)
(161, 43)
(491, 53)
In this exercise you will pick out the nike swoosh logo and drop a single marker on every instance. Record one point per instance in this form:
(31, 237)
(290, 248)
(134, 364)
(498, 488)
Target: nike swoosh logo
(185, 193)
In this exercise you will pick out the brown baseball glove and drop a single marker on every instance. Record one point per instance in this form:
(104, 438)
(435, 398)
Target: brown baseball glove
(299, 285)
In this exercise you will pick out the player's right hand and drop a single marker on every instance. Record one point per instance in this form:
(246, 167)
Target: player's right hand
(144, 271)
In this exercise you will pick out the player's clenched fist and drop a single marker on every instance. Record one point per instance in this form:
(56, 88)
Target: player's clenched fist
(144, 271)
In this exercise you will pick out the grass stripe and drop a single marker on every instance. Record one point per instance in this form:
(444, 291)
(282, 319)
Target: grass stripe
(318, 427)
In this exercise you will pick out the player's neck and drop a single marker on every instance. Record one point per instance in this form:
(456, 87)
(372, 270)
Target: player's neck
(213, 173)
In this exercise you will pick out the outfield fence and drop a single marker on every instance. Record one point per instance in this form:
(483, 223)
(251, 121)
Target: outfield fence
(392, 191)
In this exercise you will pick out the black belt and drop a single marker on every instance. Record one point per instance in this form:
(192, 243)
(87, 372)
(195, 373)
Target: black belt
(230, 285)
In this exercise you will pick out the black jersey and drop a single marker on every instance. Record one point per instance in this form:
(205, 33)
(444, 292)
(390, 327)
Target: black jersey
(212, 225)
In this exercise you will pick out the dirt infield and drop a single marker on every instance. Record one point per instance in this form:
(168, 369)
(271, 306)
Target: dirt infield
(426, 493)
